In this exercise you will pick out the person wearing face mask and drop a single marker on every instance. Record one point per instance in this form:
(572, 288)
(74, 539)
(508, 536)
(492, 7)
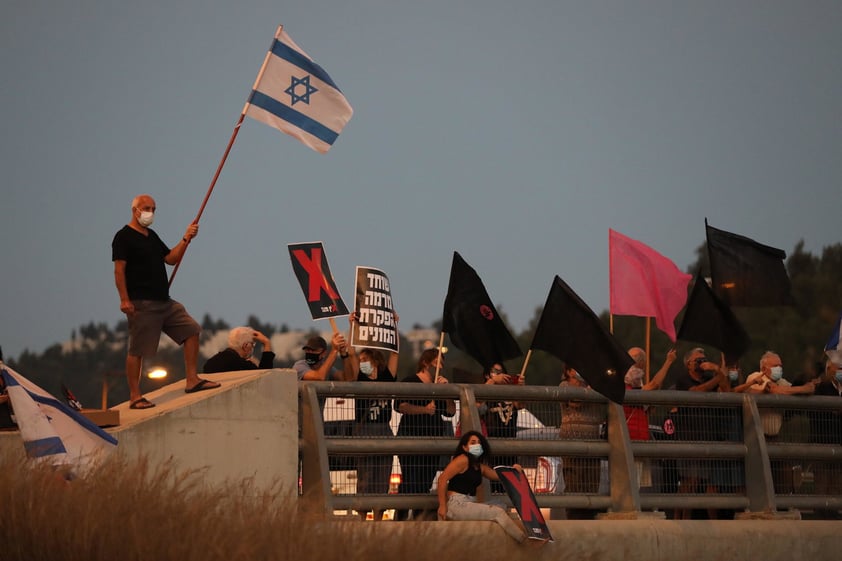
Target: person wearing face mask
(372, 415)
(460, 480)
(240, 351)
(317, 363)
(694, 423)
(422, 417)
(826, 428)
(637, 416)
(770, 380)
(140, 259)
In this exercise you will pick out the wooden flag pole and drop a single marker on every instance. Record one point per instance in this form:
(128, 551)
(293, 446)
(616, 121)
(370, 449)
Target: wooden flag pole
(438, 362)
(525, 362)
(648, 337)
(210, 189)
(227, 151)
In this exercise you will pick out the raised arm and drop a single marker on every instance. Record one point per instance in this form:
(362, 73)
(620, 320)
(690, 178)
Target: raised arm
(658, 379)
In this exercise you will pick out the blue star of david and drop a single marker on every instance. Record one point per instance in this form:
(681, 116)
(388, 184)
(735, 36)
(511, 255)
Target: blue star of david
(308, 89)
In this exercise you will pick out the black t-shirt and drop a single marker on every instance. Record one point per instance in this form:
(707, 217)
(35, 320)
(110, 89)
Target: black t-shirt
(423, 425)
(230, 361)
(466, 482)
(696, 422)
(377, 410)
(146, 272)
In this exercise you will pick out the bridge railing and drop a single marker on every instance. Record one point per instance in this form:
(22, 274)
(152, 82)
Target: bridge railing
(753, 454)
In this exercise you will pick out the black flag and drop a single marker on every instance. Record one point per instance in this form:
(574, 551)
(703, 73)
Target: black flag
(709, 320)
(569, 330)
(471, 319)
(746, 273)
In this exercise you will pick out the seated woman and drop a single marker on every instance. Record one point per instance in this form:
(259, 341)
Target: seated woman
(458, 483)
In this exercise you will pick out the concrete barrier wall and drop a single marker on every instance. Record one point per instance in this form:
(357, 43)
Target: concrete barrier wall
(246, 428)
(632, 540)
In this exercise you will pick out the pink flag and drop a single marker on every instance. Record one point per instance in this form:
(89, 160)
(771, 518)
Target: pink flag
(642, 282)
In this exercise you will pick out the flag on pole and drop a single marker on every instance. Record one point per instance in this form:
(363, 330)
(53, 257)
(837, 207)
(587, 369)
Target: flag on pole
(709, 320)
(834, 344)
(296, 96)
(569, 330)
(472, 321)
(50, 429)
(747, 273)
(642, 282)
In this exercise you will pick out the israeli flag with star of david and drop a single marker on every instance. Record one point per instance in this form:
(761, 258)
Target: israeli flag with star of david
(51, 430)
(296, 96)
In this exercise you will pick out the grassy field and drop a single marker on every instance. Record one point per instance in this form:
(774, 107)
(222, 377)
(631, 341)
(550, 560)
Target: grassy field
(126, 511)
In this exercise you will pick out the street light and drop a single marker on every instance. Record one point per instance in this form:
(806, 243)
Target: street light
(157, 373)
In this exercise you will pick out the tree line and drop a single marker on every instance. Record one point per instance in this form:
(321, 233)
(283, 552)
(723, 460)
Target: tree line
(96, 353)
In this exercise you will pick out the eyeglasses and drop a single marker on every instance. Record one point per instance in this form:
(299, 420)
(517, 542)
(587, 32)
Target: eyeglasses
(497, 370)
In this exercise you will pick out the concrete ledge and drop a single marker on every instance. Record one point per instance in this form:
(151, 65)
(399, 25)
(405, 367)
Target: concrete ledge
(244, 429)
(630, 540)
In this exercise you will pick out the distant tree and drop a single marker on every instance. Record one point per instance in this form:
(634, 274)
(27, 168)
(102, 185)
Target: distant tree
(266, 328)
(212, 326)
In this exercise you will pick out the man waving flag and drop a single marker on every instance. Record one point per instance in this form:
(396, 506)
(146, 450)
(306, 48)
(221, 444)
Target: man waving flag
(296, 96)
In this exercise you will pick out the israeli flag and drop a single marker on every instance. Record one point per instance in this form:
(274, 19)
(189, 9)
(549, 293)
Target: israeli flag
(51, 430)
(296, 96)
(834, 345)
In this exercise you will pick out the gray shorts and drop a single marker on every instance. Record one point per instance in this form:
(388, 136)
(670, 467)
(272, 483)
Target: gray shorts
(151, 318)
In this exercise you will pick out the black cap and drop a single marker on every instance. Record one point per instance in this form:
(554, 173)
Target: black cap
(315, 343)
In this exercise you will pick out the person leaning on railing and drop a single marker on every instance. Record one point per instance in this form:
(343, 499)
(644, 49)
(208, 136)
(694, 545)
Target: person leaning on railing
(826, 428)
(500, 417)
(372, 416)
(695, 423)
(580, 420)
(770, 379)
(637, 416)
(423, 417)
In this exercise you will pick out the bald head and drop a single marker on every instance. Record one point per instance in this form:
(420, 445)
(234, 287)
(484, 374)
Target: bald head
(143, 200)
(638, 356)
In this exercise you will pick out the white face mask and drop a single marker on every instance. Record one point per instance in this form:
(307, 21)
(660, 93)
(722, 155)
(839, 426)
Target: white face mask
(366, 368)
(839, 376)
(475, 450)
(776, 373)
(146, 218)
(733, 375)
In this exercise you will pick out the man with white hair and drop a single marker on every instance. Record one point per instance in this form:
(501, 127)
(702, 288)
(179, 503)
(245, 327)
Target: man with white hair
(770, 378)
(238, 355)
(637, 373)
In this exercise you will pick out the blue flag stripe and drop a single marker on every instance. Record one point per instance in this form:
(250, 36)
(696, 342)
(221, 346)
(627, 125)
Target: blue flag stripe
(44, 447)
(293, 57)
(300, 120)
(83, 421)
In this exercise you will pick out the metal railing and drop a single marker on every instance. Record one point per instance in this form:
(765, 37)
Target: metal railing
(757, 454)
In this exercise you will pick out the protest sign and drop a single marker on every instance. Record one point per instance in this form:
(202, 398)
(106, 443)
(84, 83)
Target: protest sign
(376, 327)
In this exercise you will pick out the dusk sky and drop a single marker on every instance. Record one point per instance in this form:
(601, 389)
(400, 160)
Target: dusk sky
(516, 133)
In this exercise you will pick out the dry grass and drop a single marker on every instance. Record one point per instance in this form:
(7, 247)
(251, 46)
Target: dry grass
(127, 511)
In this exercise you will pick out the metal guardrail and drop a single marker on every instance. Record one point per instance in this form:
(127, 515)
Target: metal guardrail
(746, 449)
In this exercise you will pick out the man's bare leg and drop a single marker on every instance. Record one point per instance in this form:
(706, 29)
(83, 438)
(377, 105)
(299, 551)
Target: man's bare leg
(133, 365)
